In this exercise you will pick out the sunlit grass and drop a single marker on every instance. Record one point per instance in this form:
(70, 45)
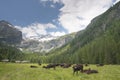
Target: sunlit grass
(12, 71)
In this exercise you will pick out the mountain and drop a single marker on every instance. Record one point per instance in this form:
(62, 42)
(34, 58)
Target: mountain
(98, 43)
(45, 43)
(9, 34)
(41, 38)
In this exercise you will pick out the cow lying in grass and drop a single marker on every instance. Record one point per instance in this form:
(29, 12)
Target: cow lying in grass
(99, 65)
(89, 71)
(65, 65)
(33, 66)
(50, 66)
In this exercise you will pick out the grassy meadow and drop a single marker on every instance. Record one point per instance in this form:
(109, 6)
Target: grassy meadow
(15, 71)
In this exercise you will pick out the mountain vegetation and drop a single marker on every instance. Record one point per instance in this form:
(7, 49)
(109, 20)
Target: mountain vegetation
(9, 52)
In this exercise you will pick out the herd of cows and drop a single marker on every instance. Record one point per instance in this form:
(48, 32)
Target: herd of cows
(76, 67)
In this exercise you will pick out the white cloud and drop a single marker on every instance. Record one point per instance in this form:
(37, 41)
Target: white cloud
(35, 29)
(47, 39)
(75, 15)
(52, 6)
(57, 33)
(71, 22)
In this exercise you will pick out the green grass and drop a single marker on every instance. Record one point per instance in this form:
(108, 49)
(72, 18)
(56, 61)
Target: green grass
(13, 71)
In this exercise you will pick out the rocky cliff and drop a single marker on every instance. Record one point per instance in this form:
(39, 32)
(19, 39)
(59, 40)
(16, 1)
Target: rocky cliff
(9, 34)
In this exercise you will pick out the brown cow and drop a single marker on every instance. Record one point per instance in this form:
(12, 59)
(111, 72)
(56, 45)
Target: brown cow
(77, 67)
(89, 71)
(65, 65)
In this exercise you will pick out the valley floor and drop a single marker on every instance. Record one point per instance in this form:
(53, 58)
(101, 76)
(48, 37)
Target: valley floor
(15, 71)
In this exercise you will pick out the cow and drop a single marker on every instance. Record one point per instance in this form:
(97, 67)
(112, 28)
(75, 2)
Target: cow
(86, 64)
(39, 64)
(65, 65)
(33, 66)
(57, 64)
(50, 66)
(89, 71)
(99, 65)
(77, 67)
(62, 64)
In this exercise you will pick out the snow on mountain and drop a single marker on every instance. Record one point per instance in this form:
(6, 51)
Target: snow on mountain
(44, 43)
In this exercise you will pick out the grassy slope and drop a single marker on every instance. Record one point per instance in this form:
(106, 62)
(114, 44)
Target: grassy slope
(11, 71)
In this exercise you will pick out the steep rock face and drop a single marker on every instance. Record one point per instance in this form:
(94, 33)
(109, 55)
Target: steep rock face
(9, 34)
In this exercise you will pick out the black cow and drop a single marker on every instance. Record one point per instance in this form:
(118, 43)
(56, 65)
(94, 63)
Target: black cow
(86, 64)
(50, 66)
(77, 67)
(62, 64)
(39, 64)
(33, 66)
(57, 64)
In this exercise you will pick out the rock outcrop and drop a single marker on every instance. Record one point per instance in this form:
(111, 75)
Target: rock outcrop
(9, 34)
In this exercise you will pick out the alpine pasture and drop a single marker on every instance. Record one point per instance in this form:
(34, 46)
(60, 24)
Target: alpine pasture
(19, 71)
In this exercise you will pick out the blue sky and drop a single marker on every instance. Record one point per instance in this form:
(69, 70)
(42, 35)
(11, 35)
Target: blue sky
(25, 12)
(55, 17)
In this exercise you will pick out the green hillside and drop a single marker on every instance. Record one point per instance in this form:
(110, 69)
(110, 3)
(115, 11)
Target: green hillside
(9, 52)
(98, 43)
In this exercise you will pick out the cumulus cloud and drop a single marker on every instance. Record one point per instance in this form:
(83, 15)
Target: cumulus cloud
(75, 15)
(57, 33)
(35, 29)
(71, 22)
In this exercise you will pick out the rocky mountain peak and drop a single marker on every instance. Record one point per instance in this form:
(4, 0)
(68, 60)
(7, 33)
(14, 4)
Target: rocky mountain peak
(9, 34)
